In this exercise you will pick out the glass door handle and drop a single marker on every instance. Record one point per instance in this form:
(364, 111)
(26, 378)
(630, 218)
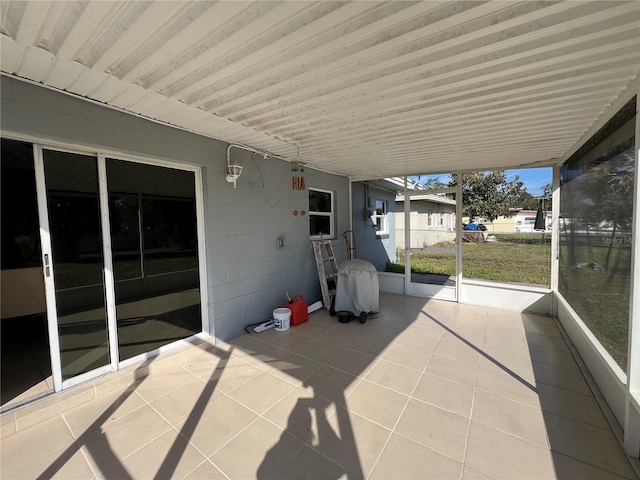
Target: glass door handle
(47, 268)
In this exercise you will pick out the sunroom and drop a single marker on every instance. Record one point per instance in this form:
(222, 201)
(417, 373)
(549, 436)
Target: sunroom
(166, 164)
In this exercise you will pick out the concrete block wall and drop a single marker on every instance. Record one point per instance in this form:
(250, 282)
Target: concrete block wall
(247, 274)
(250, 273)
(371, 247)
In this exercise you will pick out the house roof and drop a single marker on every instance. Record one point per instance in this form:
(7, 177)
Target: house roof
(365, 89)
(429, 198)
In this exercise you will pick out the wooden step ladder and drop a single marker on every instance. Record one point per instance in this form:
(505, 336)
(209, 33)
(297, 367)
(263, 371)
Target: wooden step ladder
(323, 251)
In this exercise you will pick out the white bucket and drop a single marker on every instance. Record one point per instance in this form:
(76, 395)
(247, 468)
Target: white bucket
(282, 319)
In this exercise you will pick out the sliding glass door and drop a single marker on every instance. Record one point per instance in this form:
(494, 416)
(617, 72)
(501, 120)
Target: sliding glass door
(78, 262)
(155, 255)
(109, 260)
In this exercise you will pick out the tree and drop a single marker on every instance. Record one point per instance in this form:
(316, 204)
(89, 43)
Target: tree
(527, 201)
(488, 195)
(433, 182)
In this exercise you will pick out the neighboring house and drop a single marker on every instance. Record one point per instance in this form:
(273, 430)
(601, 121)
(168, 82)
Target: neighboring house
(524, 221)
(375, 220)
(433, 220)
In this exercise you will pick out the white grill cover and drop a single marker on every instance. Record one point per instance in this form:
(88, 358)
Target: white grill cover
(357, 288)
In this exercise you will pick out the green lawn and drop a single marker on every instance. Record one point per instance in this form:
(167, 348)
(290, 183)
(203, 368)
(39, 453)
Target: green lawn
(599, 293)
(515, 259)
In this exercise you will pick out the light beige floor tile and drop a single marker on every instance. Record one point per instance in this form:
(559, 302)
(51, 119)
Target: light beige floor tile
(459, 350)
(504, 363)
(433, 427)
(65, 463)
(168, 456)
(355, 363)
(539, 319)
(376, 403)
(294, 369)
(105, 447)
(494, 331)
(244, 344)
(265, 355)
(426, 345)
(587, 443)
(101, 411)
(452, 396)
(368, 345)
(311, 465)
(503, 456)
(512, 417)
(261, 392)
(332, 384)
(290, 340)
(553, 357)
(405, 459)
(450, 369)
(206, 361)
(547, 342)
(8, 428)
(40, 440)
(162, 382)
(298, 413)
(507, 386)
(351, 441)
(340, 338)
(319, 350)
(548, 330)
(260, 451)
(311, 328)
(473, 336)
(231, 374)
(568, 468)
(431, 330)
(470, 474)
(583, 408)
(394, 376)
(505, 319)
(561, 378)
(218, 424)
(407, 356)
(206, 470)
(494, 346)
(377, 330)
(187, 400)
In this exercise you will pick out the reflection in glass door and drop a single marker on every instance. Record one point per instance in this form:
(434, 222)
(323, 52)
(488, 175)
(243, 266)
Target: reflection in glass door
(76, 242)
(155, 255)
(24, 336)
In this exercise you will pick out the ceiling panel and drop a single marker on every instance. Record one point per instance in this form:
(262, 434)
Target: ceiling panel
(366, 89)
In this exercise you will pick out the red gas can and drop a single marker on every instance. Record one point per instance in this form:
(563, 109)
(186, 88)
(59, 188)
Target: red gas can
(299, 310)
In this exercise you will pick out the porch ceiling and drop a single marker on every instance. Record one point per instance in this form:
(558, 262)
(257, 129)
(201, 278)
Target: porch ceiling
(366, 89)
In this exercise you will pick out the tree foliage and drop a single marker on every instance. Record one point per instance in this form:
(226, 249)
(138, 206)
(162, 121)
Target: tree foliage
(434, 183)
(488, 195)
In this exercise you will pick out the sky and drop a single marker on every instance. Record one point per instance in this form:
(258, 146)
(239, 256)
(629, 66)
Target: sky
(534, 178)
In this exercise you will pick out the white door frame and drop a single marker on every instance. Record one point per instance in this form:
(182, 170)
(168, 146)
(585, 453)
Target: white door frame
(109, 281)
(425, 290)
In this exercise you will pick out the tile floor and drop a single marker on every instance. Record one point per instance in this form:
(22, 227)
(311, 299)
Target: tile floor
(426, 389)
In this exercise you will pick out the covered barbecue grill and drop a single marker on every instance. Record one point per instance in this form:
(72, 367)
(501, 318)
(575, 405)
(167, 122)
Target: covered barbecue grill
(357, 290)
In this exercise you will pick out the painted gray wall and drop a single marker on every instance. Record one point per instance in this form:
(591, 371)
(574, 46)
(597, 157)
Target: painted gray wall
(247, 275)
(371, 247)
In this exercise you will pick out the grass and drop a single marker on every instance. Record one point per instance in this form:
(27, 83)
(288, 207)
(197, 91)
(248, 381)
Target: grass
(509, 259)
(599, 293)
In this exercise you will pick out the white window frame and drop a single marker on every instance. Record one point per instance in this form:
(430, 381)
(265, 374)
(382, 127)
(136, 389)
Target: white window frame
(384, 221)
(324, 214)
